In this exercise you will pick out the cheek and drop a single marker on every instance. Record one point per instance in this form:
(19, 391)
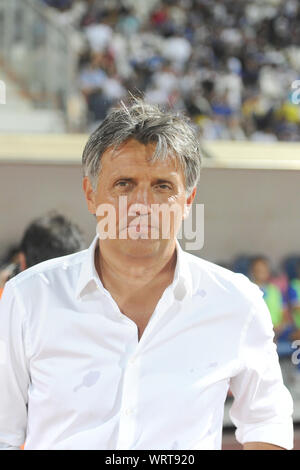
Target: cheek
(106, 206)
(177, 202)
(172, 212)
(104, 196)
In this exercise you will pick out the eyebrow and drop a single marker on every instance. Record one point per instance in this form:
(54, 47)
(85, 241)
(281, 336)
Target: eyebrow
(157, 180)
(164, 180)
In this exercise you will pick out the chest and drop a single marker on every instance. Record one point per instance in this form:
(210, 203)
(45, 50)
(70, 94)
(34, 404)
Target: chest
(139, 314)
(83, 359)
(180, 369)
(140, 309)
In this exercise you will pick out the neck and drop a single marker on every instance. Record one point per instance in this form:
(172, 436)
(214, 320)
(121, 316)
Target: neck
(124, 275)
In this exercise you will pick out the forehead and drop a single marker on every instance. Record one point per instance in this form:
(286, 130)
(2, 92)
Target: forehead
(133, 155)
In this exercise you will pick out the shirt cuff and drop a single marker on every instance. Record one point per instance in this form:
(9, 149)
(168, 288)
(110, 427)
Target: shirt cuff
(8, 447)
(278, 434)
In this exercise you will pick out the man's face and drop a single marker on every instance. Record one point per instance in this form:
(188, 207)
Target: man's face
(147, 198)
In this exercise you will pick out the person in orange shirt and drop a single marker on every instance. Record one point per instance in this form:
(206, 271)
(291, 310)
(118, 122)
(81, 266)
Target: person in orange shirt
(6, 273)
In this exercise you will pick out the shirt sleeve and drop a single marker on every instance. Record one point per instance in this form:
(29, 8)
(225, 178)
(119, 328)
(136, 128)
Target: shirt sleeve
(262, 407)
(14, 370)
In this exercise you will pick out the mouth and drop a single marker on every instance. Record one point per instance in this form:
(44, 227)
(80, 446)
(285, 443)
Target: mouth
(143, 227)
(138, 227)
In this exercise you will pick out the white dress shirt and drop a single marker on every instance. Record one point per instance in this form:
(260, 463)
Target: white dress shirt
(73, 374)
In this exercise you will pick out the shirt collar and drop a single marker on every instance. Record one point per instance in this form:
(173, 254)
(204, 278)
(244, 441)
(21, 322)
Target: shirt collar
(182, 283)
(88, 276)
(181, 286)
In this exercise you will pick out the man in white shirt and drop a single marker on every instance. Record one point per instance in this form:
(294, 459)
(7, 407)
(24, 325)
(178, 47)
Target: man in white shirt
(134, 343)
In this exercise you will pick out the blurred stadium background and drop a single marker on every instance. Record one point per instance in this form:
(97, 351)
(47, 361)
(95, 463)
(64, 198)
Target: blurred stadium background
(233, 66)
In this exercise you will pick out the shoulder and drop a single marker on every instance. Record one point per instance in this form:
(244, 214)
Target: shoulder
(234, 295)
(222, 281)
(50, 272)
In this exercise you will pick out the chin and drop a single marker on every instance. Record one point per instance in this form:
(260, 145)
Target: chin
(140, 247)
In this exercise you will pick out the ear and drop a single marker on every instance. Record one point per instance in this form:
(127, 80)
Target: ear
(22, 261)
(89, 194)
(189, 203)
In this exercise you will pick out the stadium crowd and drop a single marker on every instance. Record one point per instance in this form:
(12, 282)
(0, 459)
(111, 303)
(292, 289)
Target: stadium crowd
(231, 65)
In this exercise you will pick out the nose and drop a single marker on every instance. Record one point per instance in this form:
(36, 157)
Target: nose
(141, 201)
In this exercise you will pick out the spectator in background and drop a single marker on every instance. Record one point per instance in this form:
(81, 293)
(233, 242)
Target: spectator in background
(294, 304)
(294, 298)
(99, 83)
(285, 330)
(61, 5)
(261, 274)
(49, 236)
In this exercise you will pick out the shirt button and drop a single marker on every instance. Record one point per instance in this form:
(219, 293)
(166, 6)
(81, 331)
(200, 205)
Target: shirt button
(128, 411)
(132, 360)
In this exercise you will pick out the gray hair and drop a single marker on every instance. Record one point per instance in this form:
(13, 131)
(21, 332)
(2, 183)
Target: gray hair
(173, 133)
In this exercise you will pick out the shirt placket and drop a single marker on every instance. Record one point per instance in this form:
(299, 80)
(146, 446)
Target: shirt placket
(129, 413)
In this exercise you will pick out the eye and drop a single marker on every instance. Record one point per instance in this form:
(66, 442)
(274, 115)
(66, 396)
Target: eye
(122, 183)
(164, 186)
